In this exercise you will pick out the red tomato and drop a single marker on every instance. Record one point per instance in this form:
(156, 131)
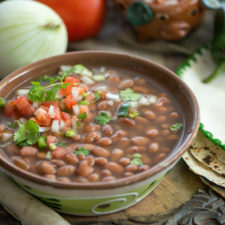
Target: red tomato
(70, 102)
(48, 103)
(83, 18)
(24, 106)
(10, 109)
(65, 116)
(57, 113)
(43, 117)
(71, 80)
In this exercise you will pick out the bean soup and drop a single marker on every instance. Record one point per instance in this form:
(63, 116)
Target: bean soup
(89, 125)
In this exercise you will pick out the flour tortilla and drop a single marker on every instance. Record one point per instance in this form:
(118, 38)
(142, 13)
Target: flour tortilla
(199, 169)
(26, 208)
(208, 154)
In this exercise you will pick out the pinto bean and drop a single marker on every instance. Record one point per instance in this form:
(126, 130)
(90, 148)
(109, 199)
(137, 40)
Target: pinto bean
(152, 132)
(103, 105)
(65, 171)
(161, 101)
(131, 168)
(59, 152)
(127, 122)
(145, 159)
(71, 158)
(81, 156)
(12, 149)
(41, 155)
(94, 177)
(143, 168)
(124, 161)
(116, 154)
(101, 161)
(162, 109)
(91, 160)
(89, 128)
(58, 162)
(135, 149)
(21, 163)
(113, 79)
(106, 173)
(84, 169)
(91, 137)
(128, 174)
(45, 167)
(50, 176)
(165, 132)
(139, 81)
(76, 137)
(150, 115)
(114, 167)
(105, 141)
(118, 135)
(127, 83)
(89, 147)
(165, 126)
(139, 140)
(174, 115)
(124, 142)
(153, 147)
(101, 152)
(107, 130)
(28, 151)
(140, 89)
(160, 119)
(141, 120)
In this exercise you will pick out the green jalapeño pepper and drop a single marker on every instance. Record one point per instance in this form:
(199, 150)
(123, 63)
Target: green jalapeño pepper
(218, 44)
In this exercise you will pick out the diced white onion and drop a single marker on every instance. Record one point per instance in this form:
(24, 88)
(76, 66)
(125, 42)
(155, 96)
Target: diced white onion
(43, 129)
(55, 126)
(75, 94)
(35, 104)
(58, 95)
(152, 99)
(65, 67)
(100, 88)
(62, 124)
(87, 72)
(22, 120)
(113, 97)
(134, 104)
(51, 111)
(110, 103)
(144, 101)
(6, 137)
(87, 80)
(23, 92)
(102, 69)
(99, 77)
(76, 110)
(39, 111)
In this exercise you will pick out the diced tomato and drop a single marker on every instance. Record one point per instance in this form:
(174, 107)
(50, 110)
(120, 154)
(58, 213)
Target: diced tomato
(65, 116)
(10, 109)
(57, 113)
(51, 139)
(44, 107)
(90, 98)
(24, 106)
(78, 90)
(43, 117)
(84, 108)
(70, 102)
(103, 95)
(48, 103)
(72, 81)
(59, 152)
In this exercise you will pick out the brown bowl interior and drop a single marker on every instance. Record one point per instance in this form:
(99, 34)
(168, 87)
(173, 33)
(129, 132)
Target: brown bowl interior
(135, 66)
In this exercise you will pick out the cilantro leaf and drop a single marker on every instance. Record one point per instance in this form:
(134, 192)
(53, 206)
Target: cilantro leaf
(97, 95)
(137, 159)
(176, 126)
(136, 155)
(103, 118)
(133, 114)
(129, 95)
(84, 102)
(82, 150)
(27, 134)
(12, 125)
(61, 143)
(82, 116)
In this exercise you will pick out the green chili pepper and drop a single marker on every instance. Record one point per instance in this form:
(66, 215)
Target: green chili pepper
(218, 44)
(124, 110)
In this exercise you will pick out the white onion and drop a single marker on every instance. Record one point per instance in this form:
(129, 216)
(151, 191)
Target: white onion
(113, 97)
(87, 80)
(99, 77)
(75, 94)
(51, 111)
(62, 124)
(144, 101)
(35, 104)
(29, 31)
(100, 88)
(110, 103)
(55, 126)
(22, 92)
(43, 129)
(65, 67)
(76, 110)
(152, 99)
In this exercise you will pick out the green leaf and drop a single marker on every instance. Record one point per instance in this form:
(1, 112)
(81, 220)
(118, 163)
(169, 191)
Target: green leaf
(103, 118)
(84, 102)
(82, 150)
(129, 95)
(136, 161)
(2, 102)
(176, 126)
(97, 96)
(133, 114)
(42, 142)
(61, 143)
(136, 155)
(124, 109)
(12, 125)
(27, 134)
(78, 69)
(70, 133)
(82, 116)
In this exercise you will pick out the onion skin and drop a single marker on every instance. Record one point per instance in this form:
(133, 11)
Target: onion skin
(29, 31)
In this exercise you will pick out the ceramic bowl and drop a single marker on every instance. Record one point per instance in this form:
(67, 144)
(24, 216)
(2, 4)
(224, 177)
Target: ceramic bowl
(99, 198)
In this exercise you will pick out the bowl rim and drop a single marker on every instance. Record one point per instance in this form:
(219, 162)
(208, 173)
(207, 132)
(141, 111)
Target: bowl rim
(168, 161)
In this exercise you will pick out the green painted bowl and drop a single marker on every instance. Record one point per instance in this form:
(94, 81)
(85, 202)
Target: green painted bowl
(89, 199)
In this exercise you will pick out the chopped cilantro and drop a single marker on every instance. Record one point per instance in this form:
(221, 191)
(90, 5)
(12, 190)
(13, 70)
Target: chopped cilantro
(84, 102)
(52, 147)
(176, 126)
(61, 143)
(70, 133)
(82, 116)
(136, 159)
(133, 114)
(2, 102)
(124, 109)
(78, 69)
(103, 118)
(97, 96)
(12, 125)
(84, 95)
(82, 150)
(27, 133)
(130, 95)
